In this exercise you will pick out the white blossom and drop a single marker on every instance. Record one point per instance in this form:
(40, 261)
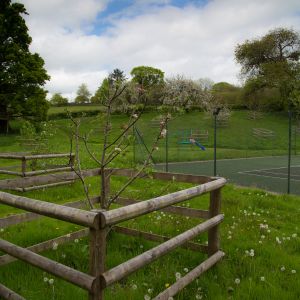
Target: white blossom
(54, 246)
(237, 281)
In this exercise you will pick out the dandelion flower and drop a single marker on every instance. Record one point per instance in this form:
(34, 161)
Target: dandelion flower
(51, 281)
(262, 278)
(134, 286)
(294, 235)
(293, 272)
(177, 275)
(54, 246)
(237, 281)
(198, 296)
(282, 269)
(76, 241)
(150, 291)
(185, 270)
(46, 279)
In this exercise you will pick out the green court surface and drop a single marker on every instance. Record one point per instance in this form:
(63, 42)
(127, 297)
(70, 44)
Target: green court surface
(269, 173)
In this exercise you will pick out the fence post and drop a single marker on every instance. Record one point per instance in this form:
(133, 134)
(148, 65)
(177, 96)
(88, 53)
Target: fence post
(23, 166)
(97, 260)
(105, 188)
(213, 233)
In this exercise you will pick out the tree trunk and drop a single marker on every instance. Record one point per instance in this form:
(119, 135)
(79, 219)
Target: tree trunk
(3, 119)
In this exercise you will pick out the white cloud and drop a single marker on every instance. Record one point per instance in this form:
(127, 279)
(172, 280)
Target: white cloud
(195, 41)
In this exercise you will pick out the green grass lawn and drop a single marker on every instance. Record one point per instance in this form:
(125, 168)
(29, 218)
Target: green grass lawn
(268, 274)
(83, 108)
(254, 220)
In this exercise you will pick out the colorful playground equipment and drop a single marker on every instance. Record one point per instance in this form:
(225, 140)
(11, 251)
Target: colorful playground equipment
(192, 137)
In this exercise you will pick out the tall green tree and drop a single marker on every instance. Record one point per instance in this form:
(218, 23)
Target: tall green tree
(271, 61)
(83, 94)
(22, 73)
(150, 82)
(147, 76)
(58, 100)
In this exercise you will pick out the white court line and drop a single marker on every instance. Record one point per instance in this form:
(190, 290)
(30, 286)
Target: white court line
(294, 166)
(259, 175)
(223, 159)
(274, 173)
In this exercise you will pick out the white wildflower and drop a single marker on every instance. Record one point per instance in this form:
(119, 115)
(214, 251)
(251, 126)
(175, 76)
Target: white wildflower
(237, 281)
(293, 271)
(54, 246)
(185, 270)
(46, 279)
(150, 291)
(262, 278)
(76, 241)
(294, 235)
(198, 296)
(282, 269)
(134, 286)
(51, 281)
(177, 275)
(147, 297)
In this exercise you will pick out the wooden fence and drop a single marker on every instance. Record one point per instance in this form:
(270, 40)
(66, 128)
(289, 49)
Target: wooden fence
(98, 222)
(24, 172)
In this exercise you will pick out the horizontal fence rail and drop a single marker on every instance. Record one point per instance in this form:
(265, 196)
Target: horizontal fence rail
(100, 221)
(132, 265)
(134, 210)
(72, 215)
(83, 280)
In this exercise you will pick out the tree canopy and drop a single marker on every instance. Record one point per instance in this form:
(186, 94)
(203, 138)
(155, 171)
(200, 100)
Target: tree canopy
(22, 73)
(271, 61)
(83, 94)
(147, 77)
(58, 99)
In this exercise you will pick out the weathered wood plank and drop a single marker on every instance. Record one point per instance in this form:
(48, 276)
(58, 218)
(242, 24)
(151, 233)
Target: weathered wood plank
(26, 217)
(189, 277)
(69, 214)
(8, 294)
(177, 210)
(134, 210)
(157, 238)
(214, 210)
(45, 179)
(6, 259)
(78, 278)
(117, 273)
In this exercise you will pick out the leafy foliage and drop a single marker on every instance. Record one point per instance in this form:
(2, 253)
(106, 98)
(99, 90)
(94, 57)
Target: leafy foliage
(58, 100)
(22, 73)
(83, 94)
(272, 61)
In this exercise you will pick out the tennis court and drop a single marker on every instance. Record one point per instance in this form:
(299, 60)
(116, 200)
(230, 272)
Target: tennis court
(269, 173)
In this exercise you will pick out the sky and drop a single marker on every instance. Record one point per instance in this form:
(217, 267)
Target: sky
(83, 41)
